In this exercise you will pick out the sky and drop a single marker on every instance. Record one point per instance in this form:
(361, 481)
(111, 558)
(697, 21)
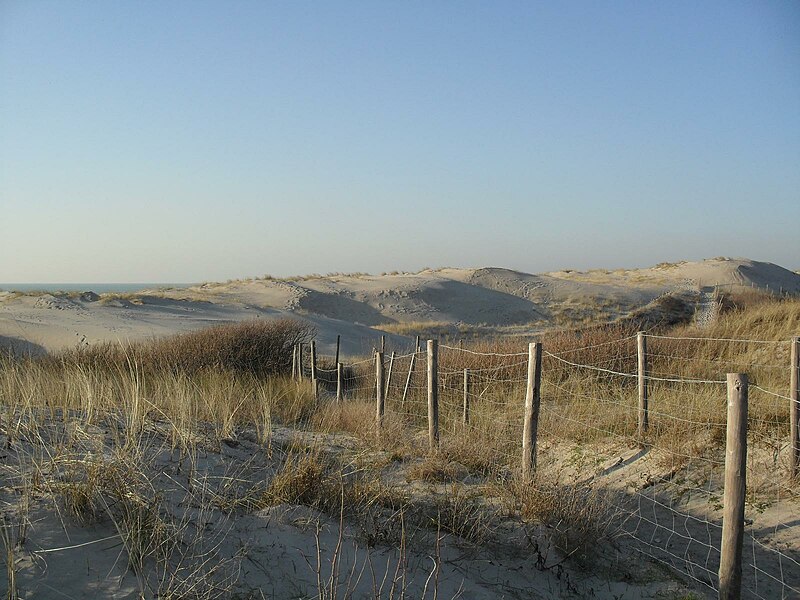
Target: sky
(193, 141)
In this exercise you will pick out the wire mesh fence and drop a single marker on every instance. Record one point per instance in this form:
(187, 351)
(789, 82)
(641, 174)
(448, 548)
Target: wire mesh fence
(665, 479)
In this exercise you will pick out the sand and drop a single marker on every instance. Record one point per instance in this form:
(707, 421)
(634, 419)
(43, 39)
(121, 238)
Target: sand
(275, 552)
(353, 305)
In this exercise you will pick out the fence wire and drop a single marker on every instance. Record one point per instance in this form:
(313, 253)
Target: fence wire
(665, 486)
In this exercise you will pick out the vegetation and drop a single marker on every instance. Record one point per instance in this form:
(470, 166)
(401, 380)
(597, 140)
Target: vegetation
(85, 427)
(259, 348)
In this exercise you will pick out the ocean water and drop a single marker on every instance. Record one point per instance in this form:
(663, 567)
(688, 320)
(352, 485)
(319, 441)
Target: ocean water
(99, 288)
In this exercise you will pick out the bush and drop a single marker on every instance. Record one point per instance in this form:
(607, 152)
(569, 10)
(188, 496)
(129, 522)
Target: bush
(260, 348)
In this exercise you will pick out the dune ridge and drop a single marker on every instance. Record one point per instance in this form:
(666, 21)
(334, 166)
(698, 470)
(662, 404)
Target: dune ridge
(356, 306)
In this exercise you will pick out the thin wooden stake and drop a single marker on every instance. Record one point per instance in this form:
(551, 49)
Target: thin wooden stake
(417, 347)
(314, 381)
(794, 410)
(338, 341)
(730, 566)
(380, 403)
(433, 394)
(383, 344)
(389, 374)
(466, 397)
(408, 379)
(641, 350)
(339, 390)
(532, 403)
(294, 361)
(300, 374)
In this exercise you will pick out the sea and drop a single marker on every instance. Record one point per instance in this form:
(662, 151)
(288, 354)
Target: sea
(98, 288)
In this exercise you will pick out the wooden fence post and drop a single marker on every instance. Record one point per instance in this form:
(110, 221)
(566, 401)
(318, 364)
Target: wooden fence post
(338, 342)
(730, 565)
(408, 379)
(314, 381)
(641, 351)
(417, 347)
(389, 374)
(433, 394)
(294, 361)
(532, 402)
(794, 410)
(383, 344)
(466, 396)
(339, 390)
(380, 405)
(300, 373)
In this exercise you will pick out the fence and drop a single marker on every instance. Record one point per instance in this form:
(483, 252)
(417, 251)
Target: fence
(670, 457)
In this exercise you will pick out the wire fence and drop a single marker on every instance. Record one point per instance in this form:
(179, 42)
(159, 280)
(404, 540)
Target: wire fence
(664, 476)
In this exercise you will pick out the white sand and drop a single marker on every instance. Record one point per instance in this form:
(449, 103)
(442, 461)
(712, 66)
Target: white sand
(351, 305)
(273, 553)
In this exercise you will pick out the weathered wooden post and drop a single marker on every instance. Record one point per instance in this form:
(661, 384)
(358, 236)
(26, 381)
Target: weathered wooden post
(314, 381)
(794, 410)
(730, 566)
(339, 390)
(641, 351)
(433, 394)
(417, 347)
(294, 361)
(532, 402)
(380, 404)
(389, 374)
(466, 397)
(408, 378)
(383, 344)
(300, 373)
(338, 341)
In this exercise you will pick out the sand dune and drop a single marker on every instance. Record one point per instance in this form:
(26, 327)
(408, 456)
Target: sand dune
(351, 305)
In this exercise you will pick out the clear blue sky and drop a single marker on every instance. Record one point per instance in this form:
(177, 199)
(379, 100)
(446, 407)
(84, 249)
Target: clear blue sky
(186, 141)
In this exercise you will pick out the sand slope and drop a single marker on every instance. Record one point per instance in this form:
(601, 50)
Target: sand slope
(350, 305)
(275, 552)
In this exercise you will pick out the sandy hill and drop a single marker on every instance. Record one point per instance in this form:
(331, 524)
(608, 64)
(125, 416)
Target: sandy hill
(494, 296)
(354, 305)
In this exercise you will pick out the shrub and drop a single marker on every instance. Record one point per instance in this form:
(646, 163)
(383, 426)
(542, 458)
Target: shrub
(260, 348)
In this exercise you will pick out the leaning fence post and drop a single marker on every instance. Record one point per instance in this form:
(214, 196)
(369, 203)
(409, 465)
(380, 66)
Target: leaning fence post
(730, 566)
(294, 361)
(641, 351)
(410, 374)
(380, 405)
(466, 396)
(314, 381)
(794, 410)
(389, 374)
(532, 401)
(339, 382)
(300, 374)
(433, 394)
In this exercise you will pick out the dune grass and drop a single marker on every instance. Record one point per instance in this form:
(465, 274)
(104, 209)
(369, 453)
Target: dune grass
(260, 348)
(591, 405)
(204, 387)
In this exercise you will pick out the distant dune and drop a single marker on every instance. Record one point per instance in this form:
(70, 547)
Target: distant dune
(353, 305)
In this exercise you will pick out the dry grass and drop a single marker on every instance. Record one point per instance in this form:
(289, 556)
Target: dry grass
(579, 517)
(261, 348)
(437, 329)
(208, 385)
(589, 406)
